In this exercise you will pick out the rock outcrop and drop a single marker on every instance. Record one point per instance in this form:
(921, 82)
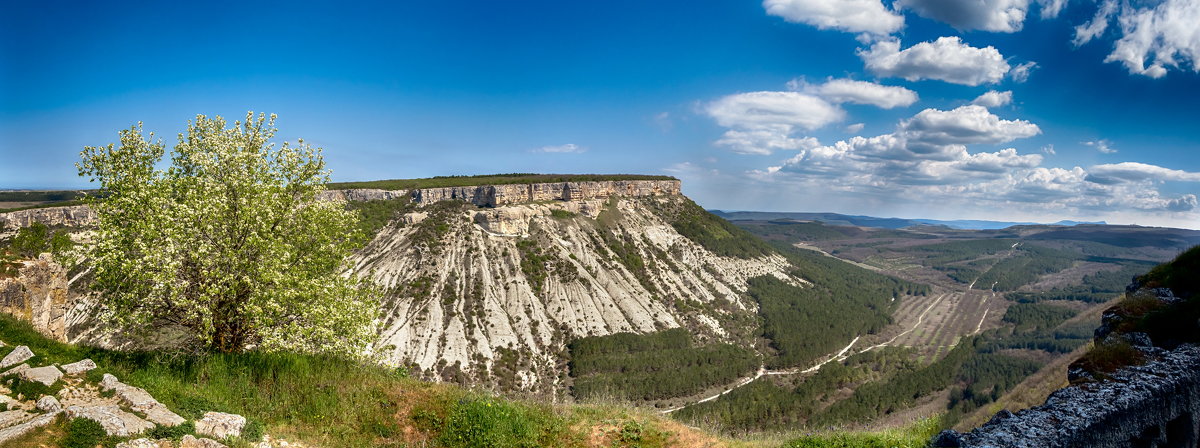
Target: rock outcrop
(70, 216)
(1156, 404)
(469, 305)
(39, 294)
(498, 195)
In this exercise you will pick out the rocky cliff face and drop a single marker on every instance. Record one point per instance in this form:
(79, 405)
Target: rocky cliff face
(70, 216)
(1152, 405)
(492, 295)
(495, 195)
(39, 294)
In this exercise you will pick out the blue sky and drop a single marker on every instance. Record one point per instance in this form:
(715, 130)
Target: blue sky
(874, 107)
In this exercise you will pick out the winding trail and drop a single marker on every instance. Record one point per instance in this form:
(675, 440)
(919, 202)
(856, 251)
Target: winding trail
(910, 330)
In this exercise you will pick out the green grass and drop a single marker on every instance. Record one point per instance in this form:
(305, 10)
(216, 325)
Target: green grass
(489, 179)
(916, 435)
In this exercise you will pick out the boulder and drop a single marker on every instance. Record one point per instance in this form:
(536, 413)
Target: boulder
(78, 367)
(49, 404)
(15, 370)
(115, 421)
(17, 356)
(220, 425)
(141, 401)
(190, 441)
(47, 375)
(14, 432)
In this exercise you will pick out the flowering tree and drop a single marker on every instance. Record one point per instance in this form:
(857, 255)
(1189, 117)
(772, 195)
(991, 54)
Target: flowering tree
(229, 241)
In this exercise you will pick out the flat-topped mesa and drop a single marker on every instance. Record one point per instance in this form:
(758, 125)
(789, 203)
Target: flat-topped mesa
(497, 195)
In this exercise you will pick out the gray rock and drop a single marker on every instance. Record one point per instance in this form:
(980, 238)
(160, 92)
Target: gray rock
(190, 441)
(1156, 404)
(14, 432)
(48, 404)
(79, 367)
(17, 356)
(115, 421)
(10, 418)
(141, 401)
(220, 425)
(47, 375)
(15, 370)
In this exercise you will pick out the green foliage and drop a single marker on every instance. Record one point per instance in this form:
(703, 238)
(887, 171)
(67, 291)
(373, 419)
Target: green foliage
(1030, 316)
(490, 179)
(229, 242)
(637, 434)
(178, 431)
(1094, 288)
(710, 231)
(373, 215)
(559, 213)
(84, 433)
(916, 435)
(806, 322)
(795, 231)
(1180, 274)
(1104, 359)
(37, 238)
(253, 431)
(485, 422)
(955, 251)
(32, 390)
(653, 366)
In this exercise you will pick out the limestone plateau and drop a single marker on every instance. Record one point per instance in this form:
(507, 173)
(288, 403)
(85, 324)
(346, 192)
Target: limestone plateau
(487, 284)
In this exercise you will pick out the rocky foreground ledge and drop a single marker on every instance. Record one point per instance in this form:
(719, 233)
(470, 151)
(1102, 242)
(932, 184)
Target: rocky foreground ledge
(1152, 405)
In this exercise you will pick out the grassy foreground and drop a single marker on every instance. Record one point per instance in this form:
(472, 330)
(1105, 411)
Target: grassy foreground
(321, 401)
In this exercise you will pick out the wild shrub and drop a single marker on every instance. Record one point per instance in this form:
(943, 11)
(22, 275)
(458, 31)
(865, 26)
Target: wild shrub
(84, 433)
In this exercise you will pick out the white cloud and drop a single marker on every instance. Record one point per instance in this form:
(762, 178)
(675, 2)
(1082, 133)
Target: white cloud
(1135, 172)
(969, 124)
(862, 92)
(1021, 72)
(774, 110)
(1169, 31)
(1051, 8)
(994, 99)
(764, 141)
(763, 122)
(1049, 149)
(1162, 34)
(1095, 27)
(1104, 146)
(946, 59)
(855, 128)
(855, 16)
(567, 148)
(1005, 16)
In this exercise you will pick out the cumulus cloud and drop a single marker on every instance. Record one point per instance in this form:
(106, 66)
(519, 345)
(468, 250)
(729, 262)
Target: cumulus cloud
(946, 59)
(970, 124)
(762, 122)
(855, 16)
(1005, 16)
(862, 92)
(1155, 36)
(567, 148)
(993, 99)
(855, 128)
(1104, 146)
(1136, 172)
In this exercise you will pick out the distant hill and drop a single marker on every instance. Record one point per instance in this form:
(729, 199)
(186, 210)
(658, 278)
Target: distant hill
(882, 223)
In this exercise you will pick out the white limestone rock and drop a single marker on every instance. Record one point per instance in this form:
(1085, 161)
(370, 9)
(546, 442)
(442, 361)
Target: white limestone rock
(190, 441)
(47, 375)
(13, 432)
(220, 425)
(49, 404)
(139, 443)
(18, 355)
(79, 367)
(141, 401)
(10, 418)
(115, 421)
(15, 370)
